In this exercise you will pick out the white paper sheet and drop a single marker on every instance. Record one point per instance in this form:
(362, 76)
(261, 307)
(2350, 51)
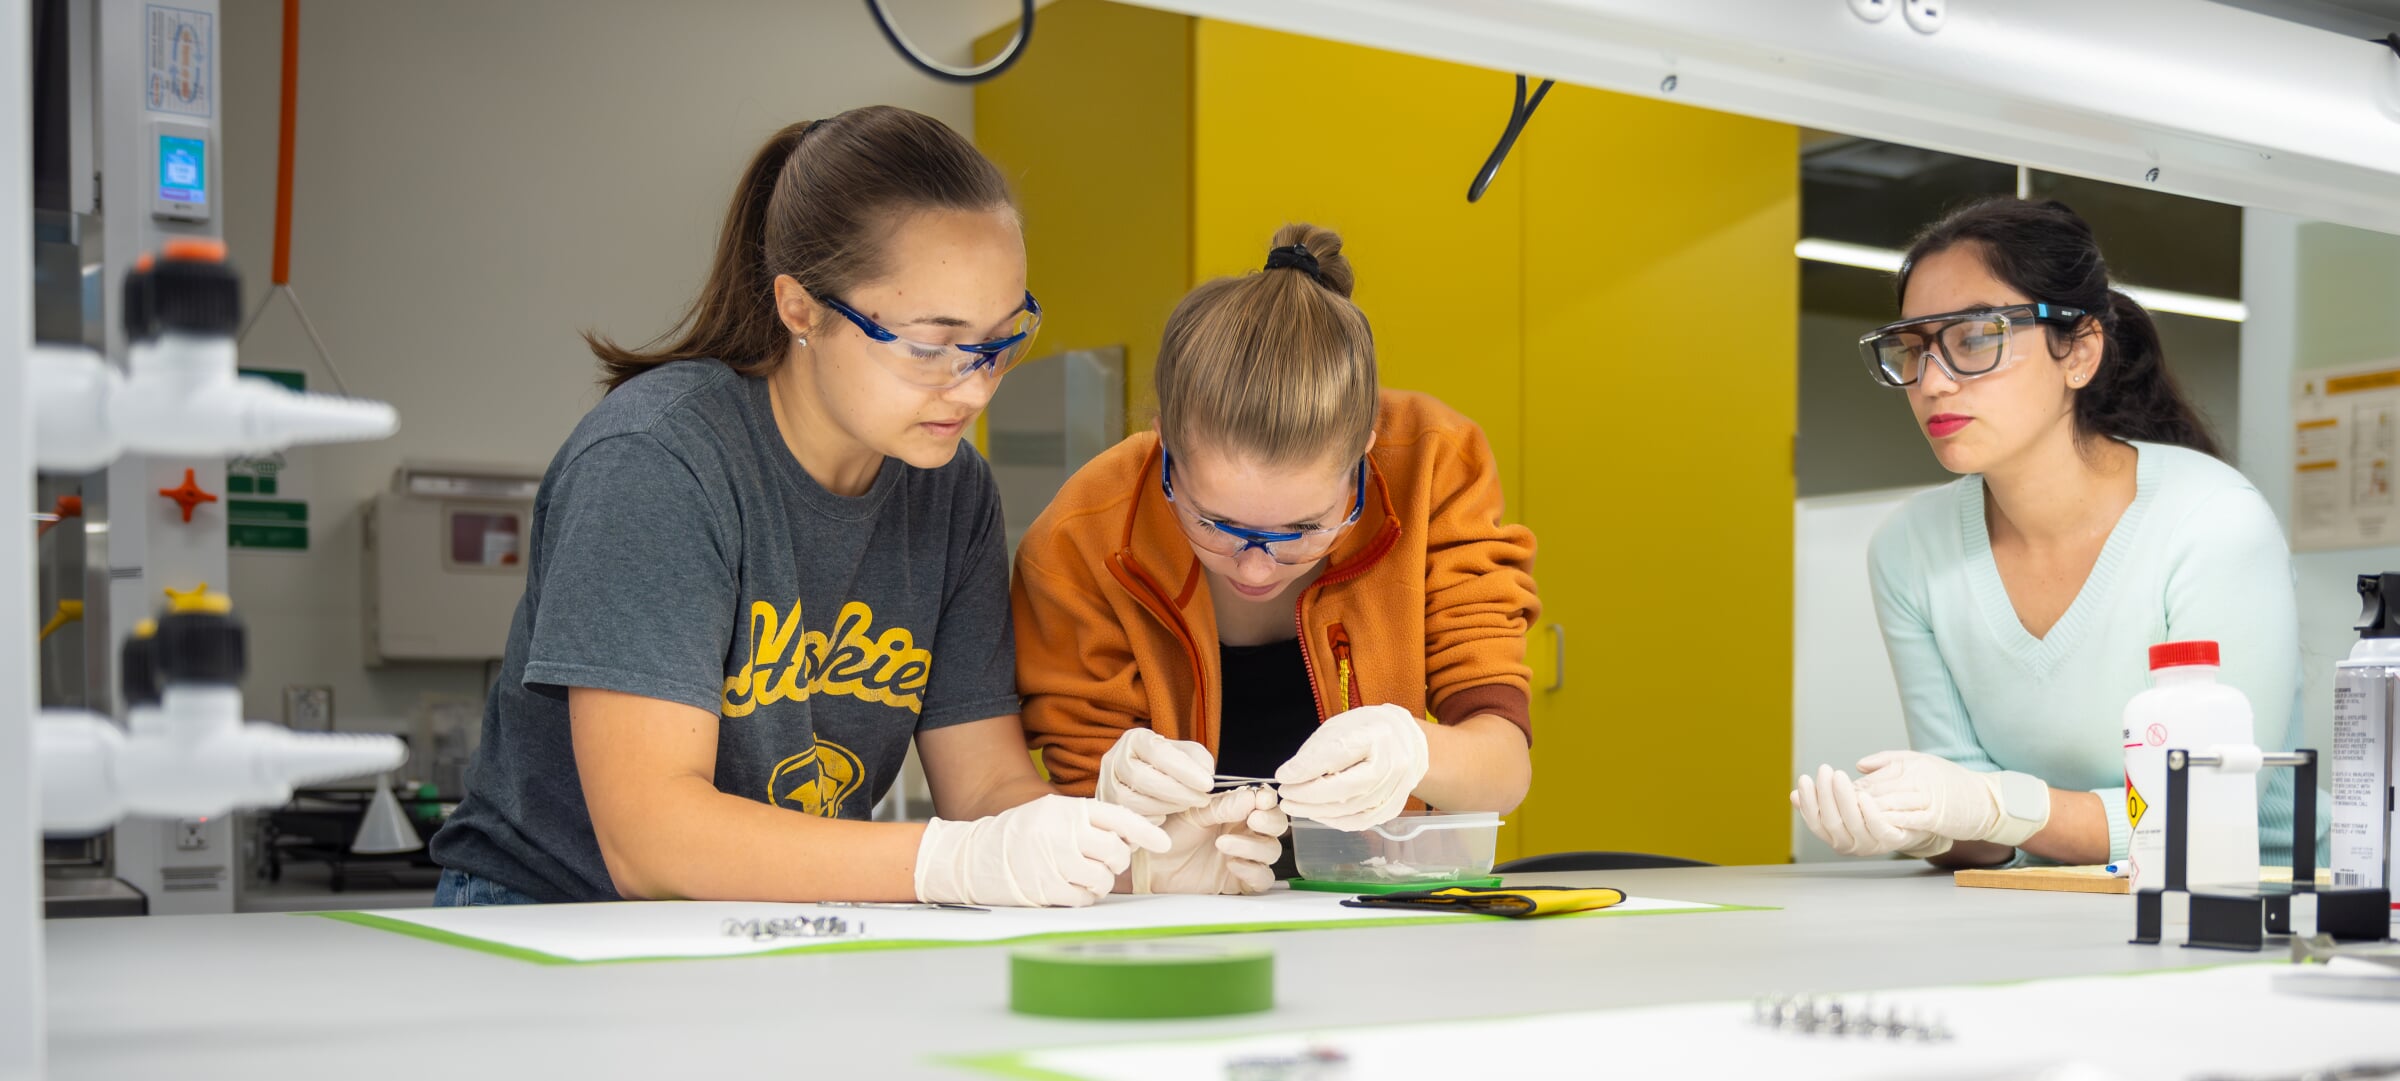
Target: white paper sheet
(625, 930)
(2221, 1022)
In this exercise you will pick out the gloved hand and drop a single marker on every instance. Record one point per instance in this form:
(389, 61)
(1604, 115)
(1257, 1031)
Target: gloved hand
(1854, 824)
(1055, 850)
(1154, 776)
(1357, 771)
(1226, 845)
(1920, 791)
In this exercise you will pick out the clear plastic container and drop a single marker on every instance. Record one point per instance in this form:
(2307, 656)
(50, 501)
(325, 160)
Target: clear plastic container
(1416, 846)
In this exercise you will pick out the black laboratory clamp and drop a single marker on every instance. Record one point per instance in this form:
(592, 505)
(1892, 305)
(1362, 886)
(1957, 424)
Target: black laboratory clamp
(2240, 916)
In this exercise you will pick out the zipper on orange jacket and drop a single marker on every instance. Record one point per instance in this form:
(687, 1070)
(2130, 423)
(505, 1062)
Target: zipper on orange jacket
(1385, 538)
(1160, 606)
(1316, 691)
(1345, 676)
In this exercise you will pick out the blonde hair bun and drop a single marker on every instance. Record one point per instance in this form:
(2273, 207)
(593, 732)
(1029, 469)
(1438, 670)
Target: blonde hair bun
(1333, 268)
(1277, 365)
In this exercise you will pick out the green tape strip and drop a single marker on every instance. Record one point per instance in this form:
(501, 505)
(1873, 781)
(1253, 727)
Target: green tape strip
(1140, 980)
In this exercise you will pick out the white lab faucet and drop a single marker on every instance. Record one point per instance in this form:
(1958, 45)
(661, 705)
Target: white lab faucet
(186, 751)
(181, 395)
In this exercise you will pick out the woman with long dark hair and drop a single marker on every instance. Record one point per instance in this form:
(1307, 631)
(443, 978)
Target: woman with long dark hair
(766, 564)
(2091, 520)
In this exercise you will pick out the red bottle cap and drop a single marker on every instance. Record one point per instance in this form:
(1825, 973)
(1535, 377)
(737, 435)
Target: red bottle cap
(2181, 654)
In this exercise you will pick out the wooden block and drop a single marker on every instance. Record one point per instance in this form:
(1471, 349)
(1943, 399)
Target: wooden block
(2087, 879)
(2054, 879)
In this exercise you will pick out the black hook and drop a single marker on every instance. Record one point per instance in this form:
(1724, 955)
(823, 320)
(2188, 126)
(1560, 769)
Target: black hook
(983, 72)
(1518, 114)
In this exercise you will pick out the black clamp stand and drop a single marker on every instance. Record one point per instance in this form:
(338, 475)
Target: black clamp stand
(2232, 917)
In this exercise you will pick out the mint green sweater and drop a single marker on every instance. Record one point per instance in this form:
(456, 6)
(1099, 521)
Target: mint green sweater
(2198, 555)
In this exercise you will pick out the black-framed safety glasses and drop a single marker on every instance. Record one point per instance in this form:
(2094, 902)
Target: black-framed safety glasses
(1966, 344)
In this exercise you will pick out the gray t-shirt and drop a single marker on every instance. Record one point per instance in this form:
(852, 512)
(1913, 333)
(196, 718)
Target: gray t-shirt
(680, 552)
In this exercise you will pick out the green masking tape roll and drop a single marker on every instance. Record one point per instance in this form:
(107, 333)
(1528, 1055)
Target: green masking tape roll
(1140, 980)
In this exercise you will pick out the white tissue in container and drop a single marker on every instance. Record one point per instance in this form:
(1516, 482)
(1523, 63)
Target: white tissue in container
(1416, 846)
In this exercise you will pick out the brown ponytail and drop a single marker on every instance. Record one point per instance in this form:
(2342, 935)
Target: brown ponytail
(2048, 253)
(815, 203)
(1276, 365)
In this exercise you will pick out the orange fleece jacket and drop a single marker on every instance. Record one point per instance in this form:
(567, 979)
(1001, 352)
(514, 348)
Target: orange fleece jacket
(1424, 603)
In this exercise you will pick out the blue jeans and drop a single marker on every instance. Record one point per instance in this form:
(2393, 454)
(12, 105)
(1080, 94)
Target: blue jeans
(459, 889)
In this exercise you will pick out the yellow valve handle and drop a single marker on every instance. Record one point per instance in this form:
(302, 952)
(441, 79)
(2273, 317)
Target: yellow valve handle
(197, 600)
(68, 612)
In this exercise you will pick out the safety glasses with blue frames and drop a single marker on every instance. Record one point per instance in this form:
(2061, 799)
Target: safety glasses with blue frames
(941, 365)
(1965, 343)
(1288, 548)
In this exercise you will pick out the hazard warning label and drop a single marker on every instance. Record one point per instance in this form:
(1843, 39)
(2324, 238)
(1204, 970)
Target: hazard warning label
(2134, 805)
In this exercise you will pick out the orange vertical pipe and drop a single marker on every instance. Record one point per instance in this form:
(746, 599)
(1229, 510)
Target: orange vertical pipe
(283, 155)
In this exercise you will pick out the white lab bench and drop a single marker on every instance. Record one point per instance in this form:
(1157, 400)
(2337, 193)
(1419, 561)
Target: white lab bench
(278, 995)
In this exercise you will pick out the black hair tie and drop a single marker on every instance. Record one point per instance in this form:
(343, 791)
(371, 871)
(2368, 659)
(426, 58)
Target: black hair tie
(1295, 257)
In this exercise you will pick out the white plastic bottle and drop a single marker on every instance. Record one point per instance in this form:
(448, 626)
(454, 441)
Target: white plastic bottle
(2187, 709)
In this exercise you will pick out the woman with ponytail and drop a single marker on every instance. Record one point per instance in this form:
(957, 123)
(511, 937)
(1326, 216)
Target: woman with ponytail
(2091, 521)
(765, 564)
(1298, 575)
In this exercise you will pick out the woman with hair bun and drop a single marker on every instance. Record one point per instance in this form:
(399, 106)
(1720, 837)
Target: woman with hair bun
(1299, 575)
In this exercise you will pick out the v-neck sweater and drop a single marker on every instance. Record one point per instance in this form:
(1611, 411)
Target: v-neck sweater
(2198, 554)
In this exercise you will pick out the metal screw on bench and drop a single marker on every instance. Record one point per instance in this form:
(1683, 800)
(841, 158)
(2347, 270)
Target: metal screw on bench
(1830, 1015)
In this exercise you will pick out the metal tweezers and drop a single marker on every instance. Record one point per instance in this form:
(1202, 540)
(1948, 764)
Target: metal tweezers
(924, 906)
(1227, 782)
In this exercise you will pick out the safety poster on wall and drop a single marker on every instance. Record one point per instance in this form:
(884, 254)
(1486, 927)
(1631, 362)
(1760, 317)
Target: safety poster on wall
(2347, 449)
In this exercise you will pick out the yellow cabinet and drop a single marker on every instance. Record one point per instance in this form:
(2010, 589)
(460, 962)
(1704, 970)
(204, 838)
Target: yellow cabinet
(1661, 307)
(1619, 312)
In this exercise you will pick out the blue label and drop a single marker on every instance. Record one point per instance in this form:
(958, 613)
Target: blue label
(182, 169)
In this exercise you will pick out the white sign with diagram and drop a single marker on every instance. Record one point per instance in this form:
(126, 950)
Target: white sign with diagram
(177, 70)
(2347, 448)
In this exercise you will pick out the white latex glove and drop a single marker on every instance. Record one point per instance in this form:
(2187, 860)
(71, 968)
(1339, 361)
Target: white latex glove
(1154, 776)
(1224, 846)
(1928, 792)
(1853, 824)
(1056, 850)
(1357, 771)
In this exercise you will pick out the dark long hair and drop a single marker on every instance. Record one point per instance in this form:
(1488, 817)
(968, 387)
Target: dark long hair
(2048, 253)
(816, 203)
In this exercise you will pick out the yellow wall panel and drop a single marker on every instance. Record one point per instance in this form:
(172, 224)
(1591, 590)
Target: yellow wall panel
(1619, 313)
(1379, 147)
(1662, 301)
(1093, 129)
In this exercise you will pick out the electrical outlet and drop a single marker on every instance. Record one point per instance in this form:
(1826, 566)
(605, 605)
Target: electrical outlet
(191, 835)
(1926, 16)
(1873, 11)
(308, 709)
